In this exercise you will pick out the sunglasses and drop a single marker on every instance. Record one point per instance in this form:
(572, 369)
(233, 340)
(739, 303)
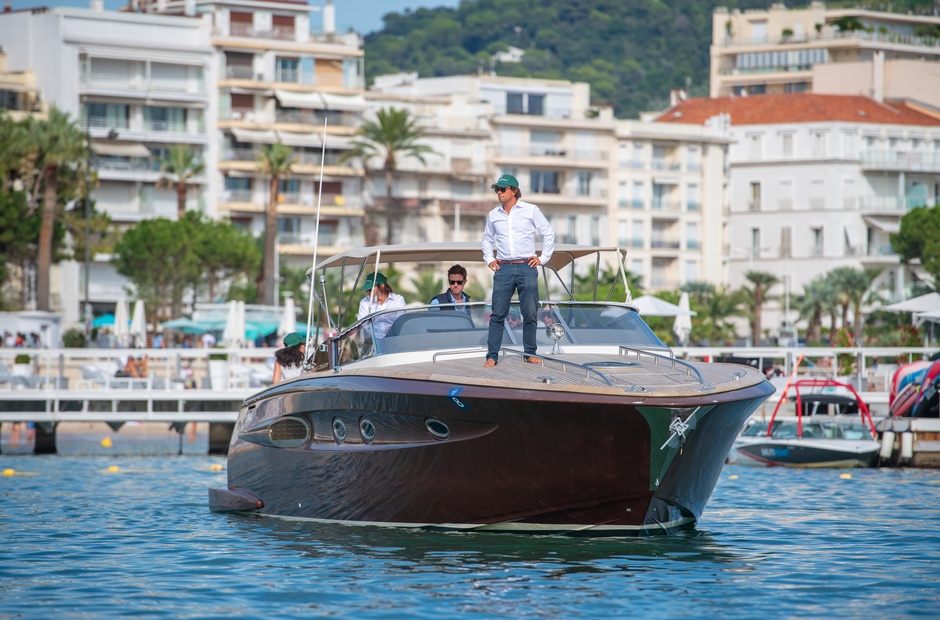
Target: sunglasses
(452, 282)
(499, 190)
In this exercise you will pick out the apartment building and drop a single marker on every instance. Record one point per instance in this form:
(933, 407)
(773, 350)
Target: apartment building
(280, 81)
(821, 181)
(137, 83)
(670, 206)
(19, 96)
(848, 51)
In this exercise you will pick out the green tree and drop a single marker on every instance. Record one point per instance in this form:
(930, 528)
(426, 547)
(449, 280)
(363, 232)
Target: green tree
(754, 297)
(811, 304)
(427, 283)
(276, 162)
(179, 169)
(58, 142)
(917, 240)
(158, 256)
(224, 251)
(392, 136)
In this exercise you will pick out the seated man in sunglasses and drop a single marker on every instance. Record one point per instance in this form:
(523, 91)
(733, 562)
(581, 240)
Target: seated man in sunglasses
(457, 279)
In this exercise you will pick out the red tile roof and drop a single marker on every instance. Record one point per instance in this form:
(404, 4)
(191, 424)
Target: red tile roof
(798, 108)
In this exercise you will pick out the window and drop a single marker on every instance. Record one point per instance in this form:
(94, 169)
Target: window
(595, 230)
(638, 194)
(544, 182)
(623, 233)
(785, 195)
(754, 142)
(787, 144)
(8, 100)
(572, 227)
(691, 236)
(693, 159)
(817, 194)
(623, 196)
(525, 103)
(288, 70)
(819, 144)
(692, 198)
(817, 238)
(637, 237)
(288, 225)
(107, 115)
(158, 118)
(754, 202)
(691, 271)
(289, 190)
(755, 243)
(583, 187)
(786, 249)
(545, 143)
(638, 155)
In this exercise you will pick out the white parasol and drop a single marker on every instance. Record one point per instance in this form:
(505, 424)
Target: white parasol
(682, 326)
(139, 325)
(289, 319)
(121, 331)
(654, 306)
(233, 336)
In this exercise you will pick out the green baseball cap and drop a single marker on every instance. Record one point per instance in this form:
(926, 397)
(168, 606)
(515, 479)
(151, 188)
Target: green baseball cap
(293, 339)
(379, 279)
(507, 180)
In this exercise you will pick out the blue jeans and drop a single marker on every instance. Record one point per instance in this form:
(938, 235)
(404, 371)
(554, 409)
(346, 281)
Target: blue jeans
(507, 280)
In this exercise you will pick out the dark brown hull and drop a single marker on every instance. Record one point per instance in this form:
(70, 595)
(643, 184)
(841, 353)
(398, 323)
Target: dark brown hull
(521, 460)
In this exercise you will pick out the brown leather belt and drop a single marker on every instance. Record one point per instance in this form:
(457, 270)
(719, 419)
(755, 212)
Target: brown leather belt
(520, 261)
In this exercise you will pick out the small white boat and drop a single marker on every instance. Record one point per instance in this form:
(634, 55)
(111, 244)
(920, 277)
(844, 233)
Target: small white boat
(814, 437)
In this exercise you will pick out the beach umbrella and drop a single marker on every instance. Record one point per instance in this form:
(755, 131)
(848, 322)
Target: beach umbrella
(233, 335)
(121, 329)
(105, 320)
(139, 325)
(654, 306)
(289, 319)
(924, 303)
(682, 325)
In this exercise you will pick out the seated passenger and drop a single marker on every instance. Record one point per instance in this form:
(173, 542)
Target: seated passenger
(379, 298)
(457, 280)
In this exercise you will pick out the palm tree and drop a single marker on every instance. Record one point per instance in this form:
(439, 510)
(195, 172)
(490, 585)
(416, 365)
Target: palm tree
(276, 162)
(851, 286)
(58, 141)
(392, 136)
(179, 168)
(811, 305)
(755, 296)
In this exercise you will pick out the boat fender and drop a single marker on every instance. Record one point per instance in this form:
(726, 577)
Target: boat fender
(887, 445)
(907, 445)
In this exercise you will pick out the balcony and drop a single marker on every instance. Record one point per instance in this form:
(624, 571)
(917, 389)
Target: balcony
(280, 33)
(664, 243)
(672, 206)
(899, 161)
(631, 204)
(242, 72)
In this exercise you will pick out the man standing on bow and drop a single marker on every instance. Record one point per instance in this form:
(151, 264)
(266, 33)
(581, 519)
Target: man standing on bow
(510, 232)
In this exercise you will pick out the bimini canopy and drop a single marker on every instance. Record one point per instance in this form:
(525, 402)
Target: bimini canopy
(466, 252)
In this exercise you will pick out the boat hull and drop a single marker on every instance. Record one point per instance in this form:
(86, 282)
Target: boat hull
(398, 452)
(809, 453)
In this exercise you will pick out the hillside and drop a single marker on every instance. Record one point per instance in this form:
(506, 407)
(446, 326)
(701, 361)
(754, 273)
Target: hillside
(632, 52)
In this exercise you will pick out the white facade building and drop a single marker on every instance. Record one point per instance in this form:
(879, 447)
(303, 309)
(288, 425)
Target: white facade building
(137, 83)
(819, 182)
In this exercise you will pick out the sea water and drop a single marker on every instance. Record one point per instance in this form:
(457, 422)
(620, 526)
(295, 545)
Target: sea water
(102, 532)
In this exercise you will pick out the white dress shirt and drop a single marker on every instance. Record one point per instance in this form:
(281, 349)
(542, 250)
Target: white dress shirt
(512, 235)
(382, 323)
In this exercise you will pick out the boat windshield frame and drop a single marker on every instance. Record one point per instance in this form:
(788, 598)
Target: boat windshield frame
(442, 327)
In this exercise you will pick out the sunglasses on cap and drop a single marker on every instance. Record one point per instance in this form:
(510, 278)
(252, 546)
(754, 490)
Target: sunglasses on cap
(500, 190)
(452, 282)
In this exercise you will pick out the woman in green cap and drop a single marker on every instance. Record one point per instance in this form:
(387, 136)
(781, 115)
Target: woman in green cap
(289, 361)
(379, 296)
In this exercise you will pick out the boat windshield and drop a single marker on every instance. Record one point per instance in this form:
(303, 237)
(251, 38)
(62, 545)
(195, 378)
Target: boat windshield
(434, 328)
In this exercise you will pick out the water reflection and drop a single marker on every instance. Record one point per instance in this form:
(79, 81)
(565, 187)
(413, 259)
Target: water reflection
(404, 549)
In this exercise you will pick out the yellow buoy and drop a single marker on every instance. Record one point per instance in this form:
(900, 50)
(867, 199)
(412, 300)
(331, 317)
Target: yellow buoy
(732, 477)
(845, 476)
(114, 469)
(9, 472)
(106, 442)
(215, 467)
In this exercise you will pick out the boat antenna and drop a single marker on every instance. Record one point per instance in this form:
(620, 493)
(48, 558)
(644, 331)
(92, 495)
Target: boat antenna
(628, 296)
(316, 234)
(375, 274)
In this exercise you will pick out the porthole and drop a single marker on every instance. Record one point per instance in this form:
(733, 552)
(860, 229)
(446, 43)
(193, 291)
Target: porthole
(438, 429)
(339, 430)
(289, 432)
(367, 430)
